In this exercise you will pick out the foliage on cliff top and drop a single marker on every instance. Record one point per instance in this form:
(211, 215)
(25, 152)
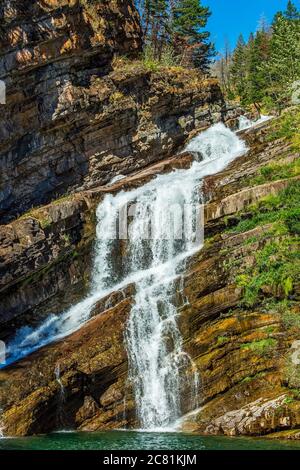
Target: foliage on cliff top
(124, 68)
(176, 26)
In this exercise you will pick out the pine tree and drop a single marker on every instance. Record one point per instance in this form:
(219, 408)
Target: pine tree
(291, 12)
(283, 66)
(154, 18)
(258, 55)
(264, 71)
(189, 19)
(238, 68)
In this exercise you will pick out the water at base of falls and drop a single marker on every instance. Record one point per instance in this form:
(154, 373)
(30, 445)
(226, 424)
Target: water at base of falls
(163, 377)
(132, 440)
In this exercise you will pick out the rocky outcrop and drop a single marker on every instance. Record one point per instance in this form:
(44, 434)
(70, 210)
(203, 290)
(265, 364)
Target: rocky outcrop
(242, 350)
(51, 51)
(258, 417)
(92, 366)
(45, 262)
(45, 256)
(76, 115)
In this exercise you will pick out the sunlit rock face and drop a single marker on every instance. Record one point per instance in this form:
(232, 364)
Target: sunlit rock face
(239, 353)
(76, 115)
(50, 52)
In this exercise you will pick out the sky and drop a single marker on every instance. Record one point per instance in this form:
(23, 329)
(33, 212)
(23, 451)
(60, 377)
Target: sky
(231, 17)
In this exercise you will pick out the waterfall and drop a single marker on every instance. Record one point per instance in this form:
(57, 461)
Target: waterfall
(245, 123)
(1, 428)
(58, 380)
(160, 225)
(61, 397)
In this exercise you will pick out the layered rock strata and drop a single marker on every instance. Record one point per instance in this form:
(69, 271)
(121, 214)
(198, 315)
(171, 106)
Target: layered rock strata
(248, 381)
(77, 114)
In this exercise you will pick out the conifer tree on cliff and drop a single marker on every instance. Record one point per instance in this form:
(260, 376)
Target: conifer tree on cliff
(189, 19)
(154, 15)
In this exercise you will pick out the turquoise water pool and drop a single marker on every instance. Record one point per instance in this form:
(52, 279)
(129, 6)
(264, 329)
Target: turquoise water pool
(129, 440)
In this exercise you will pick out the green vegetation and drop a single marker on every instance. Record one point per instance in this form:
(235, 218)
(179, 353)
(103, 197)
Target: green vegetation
(269, 329)
(295, 392)
(173, 33)
(262, 346)
(40, 216)
(250, 378)
(277, 266)
(251, 240)
(167, 58)
(289, 400)
(66, 238)
(276, 171)
(287, 127)
(282, 210)
(276, 270)
(222, 340)
(263, 71)
(291, 319)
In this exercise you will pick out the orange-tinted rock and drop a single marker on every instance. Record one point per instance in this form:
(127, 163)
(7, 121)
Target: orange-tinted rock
(248, 383)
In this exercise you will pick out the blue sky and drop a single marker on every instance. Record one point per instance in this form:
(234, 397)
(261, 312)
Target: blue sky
(231, 17)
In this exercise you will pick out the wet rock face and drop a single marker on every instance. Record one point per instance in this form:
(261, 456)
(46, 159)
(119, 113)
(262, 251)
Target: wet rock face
(92, 365)
(44, 262)
(45, 256)
(241, 354)
(73, 119)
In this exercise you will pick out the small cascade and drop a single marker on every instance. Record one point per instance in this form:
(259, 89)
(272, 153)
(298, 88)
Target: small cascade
(156, 227)
(245, 123)
(62, 397)
(58, 380)
(2, 427)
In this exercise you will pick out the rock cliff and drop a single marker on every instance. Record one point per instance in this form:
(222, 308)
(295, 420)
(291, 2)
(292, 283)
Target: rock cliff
(239, 316)
(82, 107)
(76, 114)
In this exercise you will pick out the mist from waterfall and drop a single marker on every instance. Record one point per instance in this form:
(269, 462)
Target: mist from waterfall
(166, 227)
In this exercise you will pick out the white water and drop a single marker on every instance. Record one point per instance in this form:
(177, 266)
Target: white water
(159, 368)
(116, 179)
(1, 429)
(58, 380)
(245, 123)
(61, 396)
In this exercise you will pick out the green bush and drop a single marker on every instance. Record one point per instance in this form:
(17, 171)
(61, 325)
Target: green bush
(167, 58)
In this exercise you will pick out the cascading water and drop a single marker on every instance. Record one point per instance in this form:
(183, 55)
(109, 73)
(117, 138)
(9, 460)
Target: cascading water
(163, 233)
(245, 123)
(61, 397)
(58, 380)
(1, 428)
